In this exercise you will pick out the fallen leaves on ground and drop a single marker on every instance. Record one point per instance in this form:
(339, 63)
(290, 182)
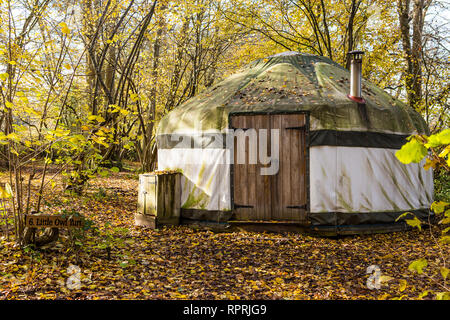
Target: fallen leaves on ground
(182, 263)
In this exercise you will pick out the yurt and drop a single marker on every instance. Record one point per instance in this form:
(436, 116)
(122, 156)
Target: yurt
(295, 139)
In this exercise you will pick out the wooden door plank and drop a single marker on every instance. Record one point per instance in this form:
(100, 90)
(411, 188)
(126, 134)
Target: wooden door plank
(296, 160)
(237, 194)
(303, 177)
(239, 172)
(266, 179)
(248, 176)
(244, 194)
(277, 186)
(258, 181)
(285, 213)
(293, 185)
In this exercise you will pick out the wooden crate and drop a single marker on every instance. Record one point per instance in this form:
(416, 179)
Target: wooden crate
(159, 200)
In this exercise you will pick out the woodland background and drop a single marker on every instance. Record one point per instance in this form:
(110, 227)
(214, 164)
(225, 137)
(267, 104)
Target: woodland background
(84, 83)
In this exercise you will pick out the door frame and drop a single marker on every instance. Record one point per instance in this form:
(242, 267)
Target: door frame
(307, 141)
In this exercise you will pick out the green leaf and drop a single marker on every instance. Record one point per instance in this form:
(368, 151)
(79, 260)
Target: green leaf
(439, 139)
(416, 223)
(439, 206)
(404, 215)
(418, 265)
(444, 136)
(103, 173)
(412, 151)
(115, 169)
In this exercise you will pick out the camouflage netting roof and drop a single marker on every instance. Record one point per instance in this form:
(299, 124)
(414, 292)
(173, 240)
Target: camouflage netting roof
(290, 82)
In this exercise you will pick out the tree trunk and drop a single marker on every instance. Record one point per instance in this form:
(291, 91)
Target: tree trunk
(412, 46)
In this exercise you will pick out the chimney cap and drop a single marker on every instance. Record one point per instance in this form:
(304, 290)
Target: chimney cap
(356, 54)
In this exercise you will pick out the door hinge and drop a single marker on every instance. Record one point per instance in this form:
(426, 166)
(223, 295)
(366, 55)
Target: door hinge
(243, 129)
(236, 206)
(296, 128)
(297, 207)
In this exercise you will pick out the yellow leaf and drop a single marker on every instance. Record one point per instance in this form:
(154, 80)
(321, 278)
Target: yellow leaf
(445, 152)
(64, 28)
(444, 272)
(134, 96)
(2, 193)
(24, 99)
(429, 164)
(13, 136)
(124, 112)
(384, 279)
(8, 190)
(439, 206)
(402, 285)
(412, 151)
(99, 119)
(12, 63)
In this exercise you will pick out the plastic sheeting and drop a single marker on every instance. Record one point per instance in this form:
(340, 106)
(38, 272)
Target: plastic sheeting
(351, 179)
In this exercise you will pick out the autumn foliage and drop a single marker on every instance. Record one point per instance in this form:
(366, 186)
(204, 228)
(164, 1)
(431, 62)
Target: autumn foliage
(83, 85)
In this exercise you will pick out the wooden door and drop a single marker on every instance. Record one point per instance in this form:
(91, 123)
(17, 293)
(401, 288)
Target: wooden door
(282, 196)
(289, 198)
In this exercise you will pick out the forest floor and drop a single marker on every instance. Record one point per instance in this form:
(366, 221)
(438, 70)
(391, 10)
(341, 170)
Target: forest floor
(182, 263)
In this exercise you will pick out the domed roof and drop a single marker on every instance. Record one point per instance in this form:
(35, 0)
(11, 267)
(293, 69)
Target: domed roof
(290, 82)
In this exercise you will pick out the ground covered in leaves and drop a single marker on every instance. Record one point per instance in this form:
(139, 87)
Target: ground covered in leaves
(182, 263)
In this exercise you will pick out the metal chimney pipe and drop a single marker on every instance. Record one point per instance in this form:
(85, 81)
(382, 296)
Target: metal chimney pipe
(356, 75)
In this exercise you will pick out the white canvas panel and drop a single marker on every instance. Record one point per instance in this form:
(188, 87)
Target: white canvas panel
(353, 179)
(206, 176)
